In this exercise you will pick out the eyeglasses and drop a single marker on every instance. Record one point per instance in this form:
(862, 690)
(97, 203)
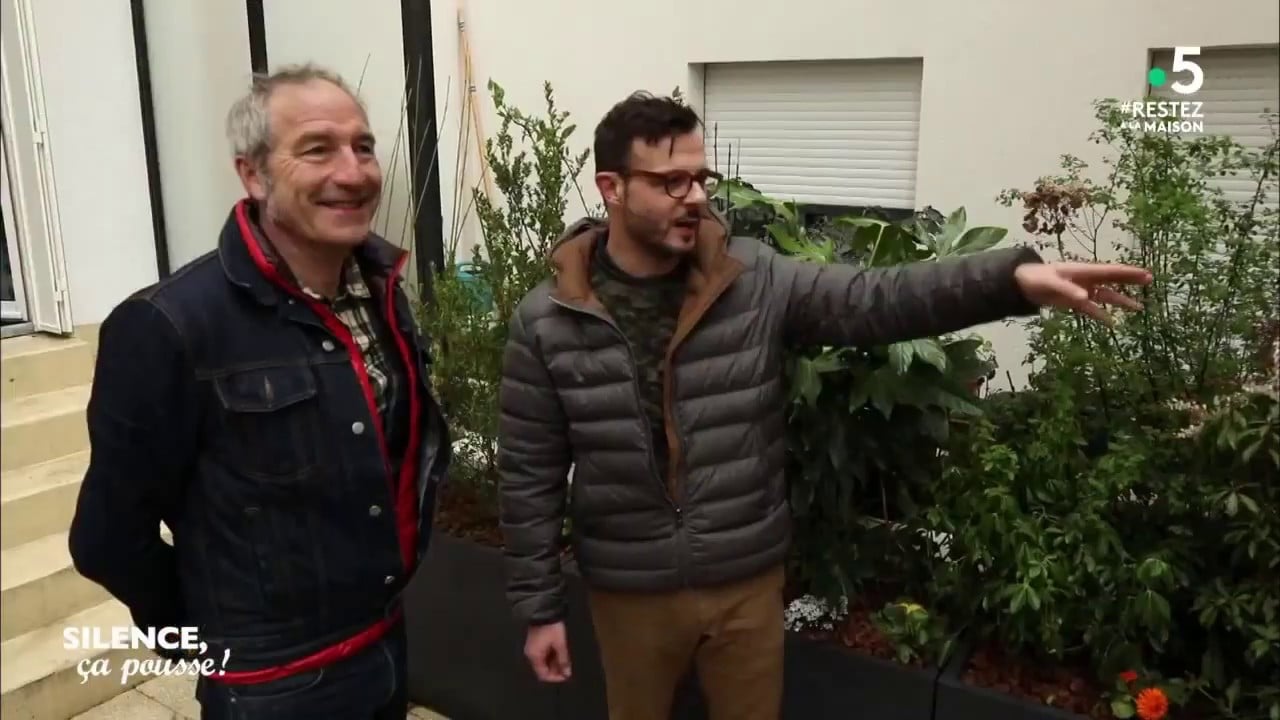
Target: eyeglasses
(678, 183)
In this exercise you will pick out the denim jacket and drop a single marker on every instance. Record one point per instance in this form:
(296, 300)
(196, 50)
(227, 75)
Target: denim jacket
(227, 405)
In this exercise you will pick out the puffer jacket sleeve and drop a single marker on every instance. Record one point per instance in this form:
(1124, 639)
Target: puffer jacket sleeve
(533, 462)
(844, 305)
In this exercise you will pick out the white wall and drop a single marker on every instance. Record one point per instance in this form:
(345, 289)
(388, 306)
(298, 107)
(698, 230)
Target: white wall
(95, 134)
(199, 53)
(201, 64)
(1006, 89)
(367, 49)
(1007, 86)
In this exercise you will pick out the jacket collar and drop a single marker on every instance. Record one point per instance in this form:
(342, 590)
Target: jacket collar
(710, 264)
(248, 265)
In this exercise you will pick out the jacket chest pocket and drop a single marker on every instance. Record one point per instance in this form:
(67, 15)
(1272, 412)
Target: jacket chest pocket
(270, 422)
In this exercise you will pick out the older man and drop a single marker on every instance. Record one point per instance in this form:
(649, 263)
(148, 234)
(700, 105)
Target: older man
(270, 403)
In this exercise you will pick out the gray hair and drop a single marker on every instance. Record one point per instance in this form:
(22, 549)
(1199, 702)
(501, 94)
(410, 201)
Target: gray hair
(249, 121)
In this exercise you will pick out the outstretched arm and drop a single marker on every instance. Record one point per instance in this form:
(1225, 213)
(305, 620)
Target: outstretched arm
(533, 459)
(142, 418)
(839, 304)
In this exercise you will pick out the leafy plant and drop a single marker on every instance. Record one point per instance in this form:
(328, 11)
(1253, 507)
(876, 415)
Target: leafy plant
(866, 423)
(1215, 262)
(1036, 548)
(534, 172)
(1236, 462)
(1124, 512)
(918, 636)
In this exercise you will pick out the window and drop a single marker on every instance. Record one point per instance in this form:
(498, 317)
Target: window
(834, 136)
(1239, 86)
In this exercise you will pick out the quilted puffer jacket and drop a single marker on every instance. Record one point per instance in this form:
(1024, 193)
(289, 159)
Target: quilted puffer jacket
(719, 511)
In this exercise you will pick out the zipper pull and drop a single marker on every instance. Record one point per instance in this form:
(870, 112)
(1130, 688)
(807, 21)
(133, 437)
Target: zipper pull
(679, 517)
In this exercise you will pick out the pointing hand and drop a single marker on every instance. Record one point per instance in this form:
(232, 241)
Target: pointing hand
(1081, 287)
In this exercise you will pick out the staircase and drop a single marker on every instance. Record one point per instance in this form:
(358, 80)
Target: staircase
(43, 456)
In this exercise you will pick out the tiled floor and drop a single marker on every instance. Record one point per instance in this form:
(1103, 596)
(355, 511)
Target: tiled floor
(173, 698)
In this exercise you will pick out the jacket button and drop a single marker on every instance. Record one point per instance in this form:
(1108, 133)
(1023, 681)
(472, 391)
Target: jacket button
(375, 511)
(357, 427)
(389, 579)
(327, 345)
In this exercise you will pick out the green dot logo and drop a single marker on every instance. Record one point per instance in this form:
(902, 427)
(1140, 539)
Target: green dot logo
(1156, 77)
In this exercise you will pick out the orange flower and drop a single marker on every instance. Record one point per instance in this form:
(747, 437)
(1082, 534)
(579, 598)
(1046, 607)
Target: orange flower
(1128, 676)
(1152, 704)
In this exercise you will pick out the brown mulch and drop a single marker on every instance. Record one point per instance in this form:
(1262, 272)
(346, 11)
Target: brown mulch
(1070, 688)
(461, 513)
(1060, 686)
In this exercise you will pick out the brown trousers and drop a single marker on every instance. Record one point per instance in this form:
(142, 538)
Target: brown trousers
(732, 635)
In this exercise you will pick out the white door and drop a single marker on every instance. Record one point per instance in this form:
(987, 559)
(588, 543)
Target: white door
(30, 195)
(13, 300)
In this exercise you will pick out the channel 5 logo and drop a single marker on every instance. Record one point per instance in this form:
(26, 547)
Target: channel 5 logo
(1181, 63)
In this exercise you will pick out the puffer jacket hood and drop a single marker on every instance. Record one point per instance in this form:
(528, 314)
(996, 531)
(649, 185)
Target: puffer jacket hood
(571, 255)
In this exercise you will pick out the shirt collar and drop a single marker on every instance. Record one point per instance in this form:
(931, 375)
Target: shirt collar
(352, 284)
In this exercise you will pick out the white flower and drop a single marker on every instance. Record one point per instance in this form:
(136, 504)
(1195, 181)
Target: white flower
(809, 613)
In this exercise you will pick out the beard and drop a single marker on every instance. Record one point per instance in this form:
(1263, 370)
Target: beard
(651, 233)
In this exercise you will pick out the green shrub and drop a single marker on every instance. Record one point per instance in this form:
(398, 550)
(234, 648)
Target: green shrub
(1125, 511)
(535, 174)
(865, 424)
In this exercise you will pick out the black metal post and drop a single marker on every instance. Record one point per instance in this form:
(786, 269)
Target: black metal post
(257, 37)
(419, 76)
(142, 62)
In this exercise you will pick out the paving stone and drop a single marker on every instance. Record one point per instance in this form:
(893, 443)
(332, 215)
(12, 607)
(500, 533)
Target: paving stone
(173, 698)
(176, 692)
(132, 705)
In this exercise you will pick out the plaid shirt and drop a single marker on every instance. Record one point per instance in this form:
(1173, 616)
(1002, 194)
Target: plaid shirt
(357, 309)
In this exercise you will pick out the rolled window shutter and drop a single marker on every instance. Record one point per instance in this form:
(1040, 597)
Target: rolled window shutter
(824, 133)
(1239, 86)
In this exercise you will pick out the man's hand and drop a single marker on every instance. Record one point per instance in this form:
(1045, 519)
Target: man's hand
(548, 652)
(1080, 286)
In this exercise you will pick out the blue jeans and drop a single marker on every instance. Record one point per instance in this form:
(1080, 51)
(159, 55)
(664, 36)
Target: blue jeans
(370, 685)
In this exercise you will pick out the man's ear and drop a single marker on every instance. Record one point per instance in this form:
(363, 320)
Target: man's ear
(611, 188)
(252, 178)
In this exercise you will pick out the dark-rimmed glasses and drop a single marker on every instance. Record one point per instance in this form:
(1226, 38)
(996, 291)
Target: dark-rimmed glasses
(678, 183)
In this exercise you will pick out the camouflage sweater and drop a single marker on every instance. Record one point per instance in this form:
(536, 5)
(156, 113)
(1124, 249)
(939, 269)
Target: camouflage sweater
(645, 309)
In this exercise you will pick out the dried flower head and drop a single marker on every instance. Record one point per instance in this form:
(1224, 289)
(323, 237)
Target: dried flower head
(1052, 205)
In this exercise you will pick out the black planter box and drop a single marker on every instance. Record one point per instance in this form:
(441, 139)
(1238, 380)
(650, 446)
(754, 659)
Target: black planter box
(466, 650)
(958, 700)
(466, 657)
(826, 681)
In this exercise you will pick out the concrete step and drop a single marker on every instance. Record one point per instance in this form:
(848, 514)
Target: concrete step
(38, 499)
(39, 677)
(42, 427)
(36, 364)
(40, 586)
